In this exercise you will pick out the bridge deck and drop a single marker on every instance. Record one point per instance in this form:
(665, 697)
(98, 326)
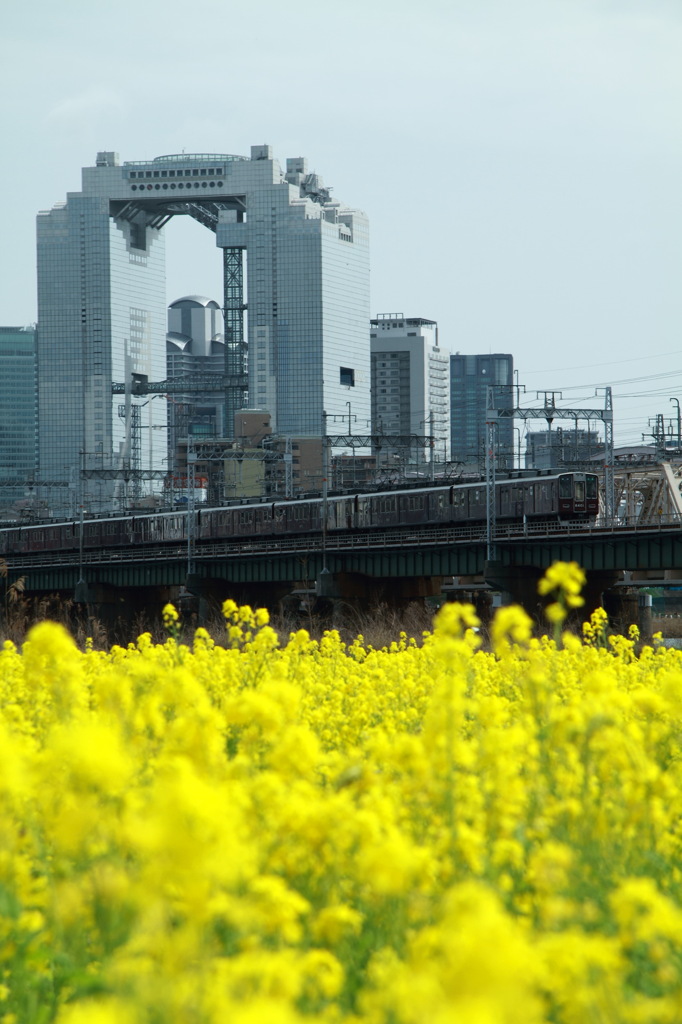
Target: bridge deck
(394, 552)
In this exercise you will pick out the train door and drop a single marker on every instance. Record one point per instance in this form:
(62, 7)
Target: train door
(279, 516)
(384, 509)
(458, 501)
(591, 494)
(579, 496)
(518, 503)
(245, 522)
(566, 494)
(477, 506)
(528, 499)
(337, 518)
(439, 507)
(362, 507)
(505, 500)
(412, 508)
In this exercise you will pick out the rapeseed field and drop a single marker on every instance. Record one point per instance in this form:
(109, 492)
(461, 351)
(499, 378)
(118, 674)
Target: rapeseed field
(279, 832)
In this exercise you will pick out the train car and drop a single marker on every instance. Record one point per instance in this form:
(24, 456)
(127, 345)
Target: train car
(564, 496)
(578, 495)
(552, 497)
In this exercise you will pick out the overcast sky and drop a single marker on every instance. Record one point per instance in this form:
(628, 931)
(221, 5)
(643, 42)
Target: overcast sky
(520, 161)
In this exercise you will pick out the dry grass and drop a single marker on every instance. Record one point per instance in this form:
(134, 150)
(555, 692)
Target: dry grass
(379, 628)
(669, 625)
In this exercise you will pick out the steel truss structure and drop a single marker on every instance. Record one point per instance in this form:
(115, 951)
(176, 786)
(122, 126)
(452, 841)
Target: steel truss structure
(649, 494)
(379, 440)
(236, 349)
(549, 411)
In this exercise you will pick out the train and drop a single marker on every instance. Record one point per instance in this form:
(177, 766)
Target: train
(560, 496)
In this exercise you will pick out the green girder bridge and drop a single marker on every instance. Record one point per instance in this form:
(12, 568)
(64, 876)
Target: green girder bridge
(402, 553)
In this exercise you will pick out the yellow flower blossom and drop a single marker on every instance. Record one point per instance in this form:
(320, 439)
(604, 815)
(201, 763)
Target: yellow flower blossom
(170, 615)
(299, 831)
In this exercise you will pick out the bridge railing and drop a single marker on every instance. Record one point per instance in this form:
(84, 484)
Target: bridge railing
(385, 538)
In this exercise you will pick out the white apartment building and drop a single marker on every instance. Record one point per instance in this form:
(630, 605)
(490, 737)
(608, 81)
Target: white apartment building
(410, 381)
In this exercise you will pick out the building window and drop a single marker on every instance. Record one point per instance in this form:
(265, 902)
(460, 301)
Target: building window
(347, 377)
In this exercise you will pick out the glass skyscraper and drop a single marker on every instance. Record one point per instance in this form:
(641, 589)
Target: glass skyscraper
(470, 378)
(301, 348)
(18, 423)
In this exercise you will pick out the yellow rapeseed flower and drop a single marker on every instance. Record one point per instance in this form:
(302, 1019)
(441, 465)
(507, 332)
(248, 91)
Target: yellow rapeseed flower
(308, 830)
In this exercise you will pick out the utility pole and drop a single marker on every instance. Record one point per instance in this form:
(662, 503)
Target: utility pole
(325, 489)
(491, 422)
(81, 592)
(324, 579)
(679, 424)
(191, 480)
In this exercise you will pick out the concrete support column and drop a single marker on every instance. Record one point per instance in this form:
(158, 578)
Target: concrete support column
(521, 584)
(627, 606)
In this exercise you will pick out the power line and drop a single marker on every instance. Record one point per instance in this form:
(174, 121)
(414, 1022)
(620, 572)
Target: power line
(589, 366)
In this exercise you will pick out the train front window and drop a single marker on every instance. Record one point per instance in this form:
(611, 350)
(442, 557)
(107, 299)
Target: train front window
(579, 490)
(591, 486)
(565, 486)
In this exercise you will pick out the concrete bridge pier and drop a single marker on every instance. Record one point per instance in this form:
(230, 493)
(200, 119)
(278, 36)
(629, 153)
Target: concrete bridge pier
(118, 608)
(520, 583)
(205, 595)
(348, 599)
(367, 592)
(628, 606)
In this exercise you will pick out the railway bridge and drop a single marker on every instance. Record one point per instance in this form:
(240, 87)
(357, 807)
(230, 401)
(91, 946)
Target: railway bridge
(364, 567)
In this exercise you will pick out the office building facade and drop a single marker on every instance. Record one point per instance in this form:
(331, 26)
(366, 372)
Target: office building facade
(195, 345)
(470, 378)
(18, 423)
(301, 349)
(410, 384)
(561, 448)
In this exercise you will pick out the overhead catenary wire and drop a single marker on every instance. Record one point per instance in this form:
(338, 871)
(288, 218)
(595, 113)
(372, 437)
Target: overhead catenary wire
(590, 366)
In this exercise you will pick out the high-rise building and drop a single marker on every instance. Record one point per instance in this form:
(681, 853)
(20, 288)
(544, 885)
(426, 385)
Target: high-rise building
(559, 448)
(410, 383)
(300, 351)
(195, 345)
(18, 422)
(470, 378)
